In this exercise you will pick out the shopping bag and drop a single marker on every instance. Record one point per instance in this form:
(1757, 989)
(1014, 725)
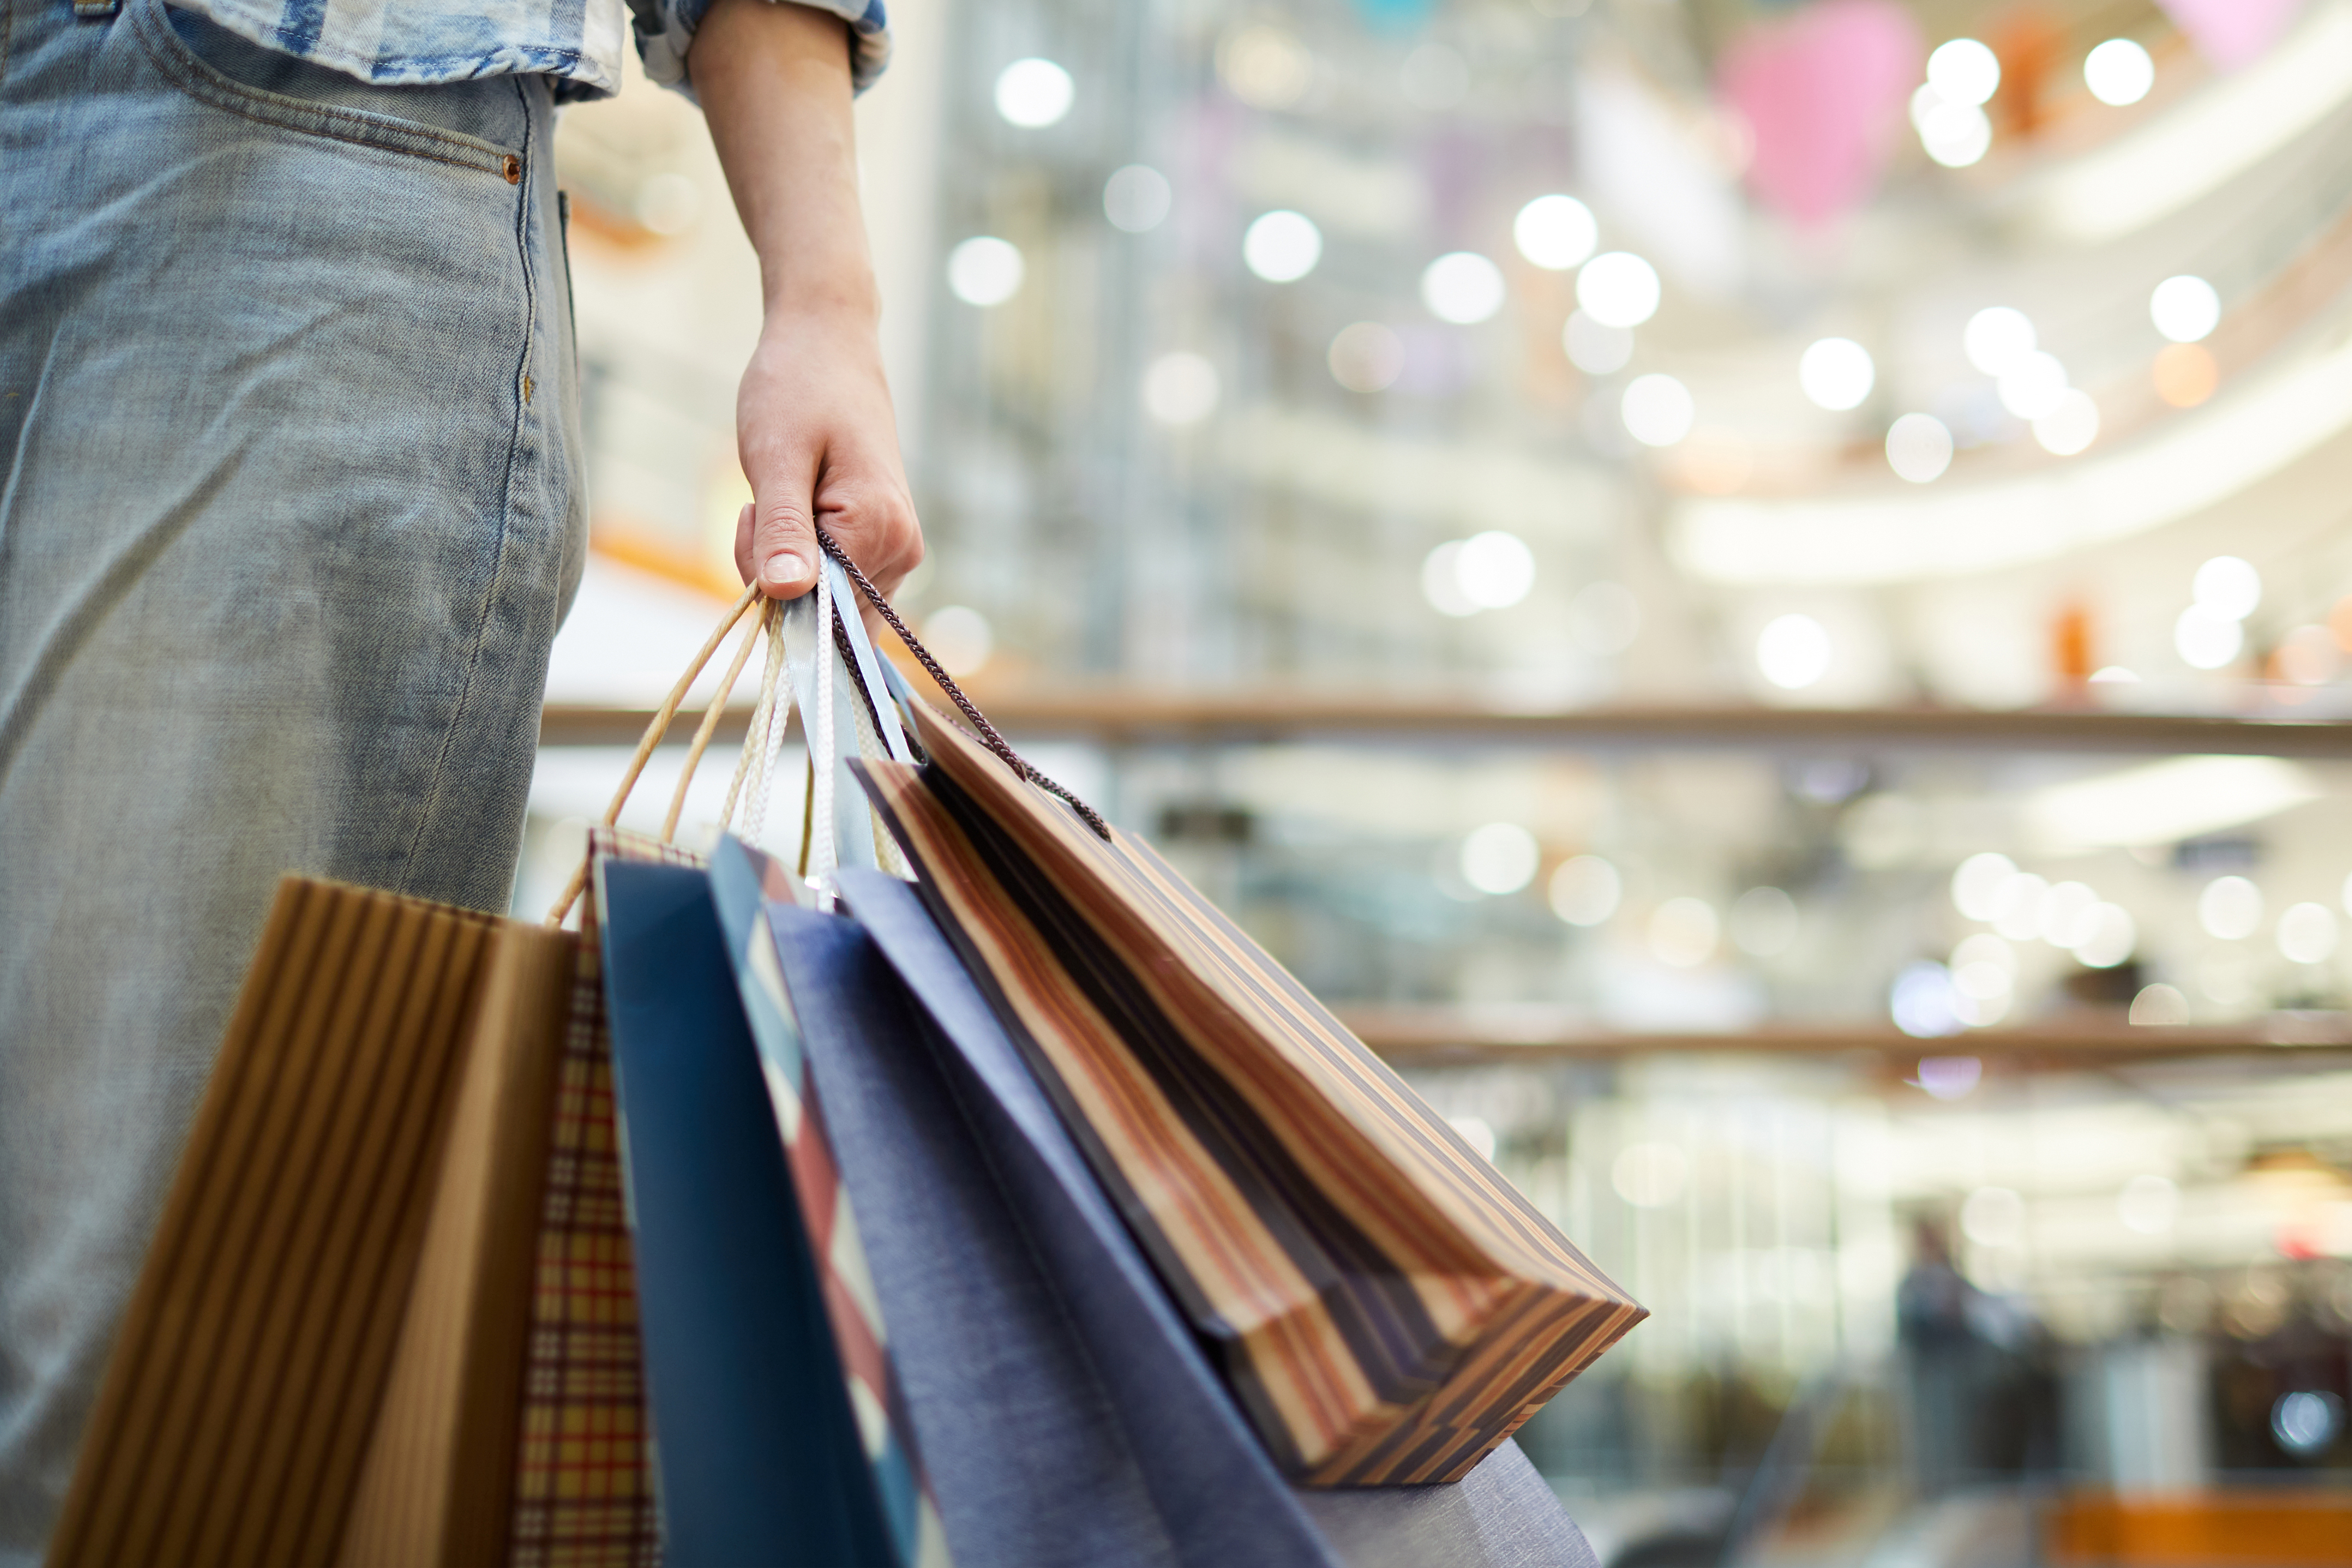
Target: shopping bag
(1197, 1453)
(1386, 1306)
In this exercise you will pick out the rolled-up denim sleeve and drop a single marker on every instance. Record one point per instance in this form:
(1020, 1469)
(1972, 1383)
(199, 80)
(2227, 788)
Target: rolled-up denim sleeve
(665, 28)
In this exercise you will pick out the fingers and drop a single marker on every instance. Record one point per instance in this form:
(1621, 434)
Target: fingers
(783, 542)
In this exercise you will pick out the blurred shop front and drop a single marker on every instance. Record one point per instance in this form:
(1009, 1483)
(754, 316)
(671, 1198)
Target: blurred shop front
(1757, 593)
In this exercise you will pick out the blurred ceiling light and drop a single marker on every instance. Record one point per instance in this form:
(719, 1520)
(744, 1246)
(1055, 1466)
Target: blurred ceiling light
(1618, 289)
(1366, 357)
(1282, 245)
(1555, 232)
(2071, 425)
(1955, 134)
(2033, 385)
(2020, 916)
(1265, 68)
(1137, 198)
(1763, 922)
(1585, 890)
(2118, 72)
(1500, 857)
(1984, 947)
(1978, 883)
(1922, 1001)
(1924, 100)
(2060, 915)
(1494, 569)
(984, 270)
(1993, 1216)
(2185, 308)
(2306, 933)
(2160, 1006)
(959, 638)
(2185, 375)
(1179, 389)
(1683, 933)
(1462, 287)
(1034, 93)
(1964, 71)
(1997, 337)
(2161, 802)
(2230, 908)
(1649, 1175)
(1836, 373)
(1793, 651)
(1441, 581)
(2109, 937)
(1981, 993)
(2227, 585)
(1594, 349)
(1949, 1077)
(2148, 1204)
(2308, 656)
(2206, 141)
(2205, 640)
(1657, 409)
(1919, 448)
(1434, 77)
(1604, 617)
(2305, 1421)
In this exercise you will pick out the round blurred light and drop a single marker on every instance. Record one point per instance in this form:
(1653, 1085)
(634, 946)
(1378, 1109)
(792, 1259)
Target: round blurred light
(2205, 640)
(1179, 389)
(1836, 373)
(1618, 289)
(2185, 375)
(1137, 198)
(2185, 308)
(1499, 858)
(2148, 1205)
(959, 638)
(1993, 1216)
(1980, 981)
(1367, 357)
(2108, 936)
(2070, 427)
(2230, 908)
(2060, 917)
(1494, 569)
(2159, 1006)
(1949, 1077)
(1649, 1175)
(2034, 385)
(1763, 921)
(1462, 287)
(1034, 93)
(1266, 67)
(1980, 883)
(1594, 349)
(984, 270)
(1441, 581)
(2308, 656)
(1984, 947)
(1282, 245)
(2306, 1420)
(1919, 448)
(2306, 933)
(1996, 338)
(1604, 617)
(1955, 134)
(2019, 915)
(2120, 72)
(1923, 1003)
(1585, 890)
(1924, 100)
(1683, 933)
(1793, 652)
(1555, 232)
(2227, 586)
(1963, 71)
(1658, 409)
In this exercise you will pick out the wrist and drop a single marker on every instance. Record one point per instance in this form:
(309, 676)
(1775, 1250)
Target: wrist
(847, 299)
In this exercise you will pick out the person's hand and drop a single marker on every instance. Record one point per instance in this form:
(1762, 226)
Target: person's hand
(820, 445)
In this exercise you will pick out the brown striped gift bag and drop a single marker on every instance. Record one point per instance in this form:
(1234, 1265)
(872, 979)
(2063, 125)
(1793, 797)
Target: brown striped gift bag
(1387, 1307)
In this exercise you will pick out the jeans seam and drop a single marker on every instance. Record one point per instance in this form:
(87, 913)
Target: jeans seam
(353, 127)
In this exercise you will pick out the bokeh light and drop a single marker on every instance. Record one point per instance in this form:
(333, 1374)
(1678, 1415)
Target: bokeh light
(2306, 933)
(1462, 287)
(1366, 356)
(1496, 569)
(2185, 375)
(1555, 232)
(1658, 410)
(2230, 908)
(1137, 198)
(1618, 289)
(1585, 890)
(2071, 425)
(985, 271)
(2106, 937)
(1996, 337)
(1499, 858)
(1282, 245)
(1963, 70)
(2185, 308)
(2205, 640)
(1836, 373)
(2227, 585)
(2118, 72)
(1594, 349)
(1034, 93)
(1266, 67)
(1922, 1001)
(1684, 932)
(1793, 651)
(1919, 448)
(1979, 882)
(959, 637)
(2033, 385)
(1955, 134)
(1179, 389)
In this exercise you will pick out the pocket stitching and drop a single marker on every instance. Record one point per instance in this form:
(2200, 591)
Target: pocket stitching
(192, 75)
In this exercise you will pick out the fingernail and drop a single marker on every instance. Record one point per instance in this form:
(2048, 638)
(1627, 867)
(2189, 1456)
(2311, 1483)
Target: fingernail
(784, 567)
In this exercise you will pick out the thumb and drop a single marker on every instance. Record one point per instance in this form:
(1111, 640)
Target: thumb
(784, 534)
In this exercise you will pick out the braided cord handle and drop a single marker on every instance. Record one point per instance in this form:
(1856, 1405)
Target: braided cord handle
(986, 730)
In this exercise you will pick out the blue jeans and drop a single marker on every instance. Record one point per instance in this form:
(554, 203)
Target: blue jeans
(292, 511)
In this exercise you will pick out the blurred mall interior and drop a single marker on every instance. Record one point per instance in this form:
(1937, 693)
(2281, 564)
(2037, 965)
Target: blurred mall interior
(1757, 593)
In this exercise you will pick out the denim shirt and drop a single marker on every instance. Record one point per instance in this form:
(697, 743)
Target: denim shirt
(577, 43)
